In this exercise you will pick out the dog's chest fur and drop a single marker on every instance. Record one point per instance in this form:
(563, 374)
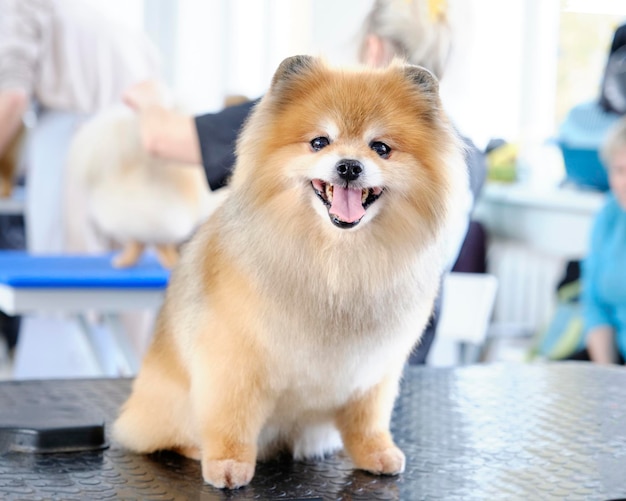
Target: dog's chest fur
(327, 346)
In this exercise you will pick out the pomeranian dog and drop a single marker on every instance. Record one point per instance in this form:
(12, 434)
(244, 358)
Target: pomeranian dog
(293, 309)
(133, 198)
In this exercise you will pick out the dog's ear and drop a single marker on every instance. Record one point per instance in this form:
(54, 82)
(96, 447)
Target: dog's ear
(295, 65)
(423, 78)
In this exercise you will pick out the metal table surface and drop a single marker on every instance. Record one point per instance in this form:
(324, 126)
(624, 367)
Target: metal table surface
(528, 432)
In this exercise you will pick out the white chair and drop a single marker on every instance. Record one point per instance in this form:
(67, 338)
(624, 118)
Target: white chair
(466, 309)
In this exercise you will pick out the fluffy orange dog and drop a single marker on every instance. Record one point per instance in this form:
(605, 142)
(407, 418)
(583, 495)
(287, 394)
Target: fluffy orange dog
(292, 311)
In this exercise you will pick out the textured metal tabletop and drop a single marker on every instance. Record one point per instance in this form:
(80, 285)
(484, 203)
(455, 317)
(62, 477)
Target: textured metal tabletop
(528, 432)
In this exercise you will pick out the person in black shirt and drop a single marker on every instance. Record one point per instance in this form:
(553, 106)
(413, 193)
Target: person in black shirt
(208, 139)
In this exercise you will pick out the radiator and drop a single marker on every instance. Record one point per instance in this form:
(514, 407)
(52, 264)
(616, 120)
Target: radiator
(527, 281)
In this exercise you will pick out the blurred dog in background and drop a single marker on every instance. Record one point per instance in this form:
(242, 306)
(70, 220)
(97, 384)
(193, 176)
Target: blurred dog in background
(131, 197)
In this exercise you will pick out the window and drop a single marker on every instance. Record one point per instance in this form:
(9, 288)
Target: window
(582, 58)
(517, 68)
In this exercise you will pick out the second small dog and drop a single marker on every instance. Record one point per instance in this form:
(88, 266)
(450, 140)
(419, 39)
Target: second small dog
(289, 319)
(134, 199)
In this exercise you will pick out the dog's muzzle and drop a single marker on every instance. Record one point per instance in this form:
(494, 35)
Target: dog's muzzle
(346, 204)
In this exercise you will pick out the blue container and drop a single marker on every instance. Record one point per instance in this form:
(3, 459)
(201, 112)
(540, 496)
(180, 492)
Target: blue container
(580, 138)
(584, 168)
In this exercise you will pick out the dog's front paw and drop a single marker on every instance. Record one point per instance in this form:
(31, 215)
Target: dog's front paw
(227, 473)
(389, 461)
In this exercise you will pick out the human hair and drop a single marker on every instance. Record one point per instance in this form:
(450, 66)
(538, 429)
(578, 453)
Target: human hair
(417, 30)
(614, 141)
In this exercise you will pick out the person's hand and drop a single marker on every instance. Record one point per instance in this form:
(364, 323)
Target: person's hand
(165, 132)
(145, 95)
(601, 345)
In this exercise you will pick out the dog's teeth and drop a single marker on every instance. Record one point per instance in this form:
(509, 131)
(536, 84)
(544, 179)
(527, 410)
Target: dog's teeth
(329, 191)
(364, 194)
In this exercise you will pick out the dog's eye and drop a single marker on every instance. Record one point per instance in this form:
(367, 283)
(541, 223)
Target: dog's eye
(381, 149)
(319, 143)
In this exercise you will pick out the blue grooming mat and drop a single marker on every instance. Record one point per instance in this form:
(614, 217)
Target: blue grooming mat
(21, 269)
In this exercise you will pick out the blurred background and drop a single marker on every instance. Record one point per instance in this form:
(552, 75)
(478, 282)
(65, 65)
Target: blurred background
(516, 71)
(517, 67)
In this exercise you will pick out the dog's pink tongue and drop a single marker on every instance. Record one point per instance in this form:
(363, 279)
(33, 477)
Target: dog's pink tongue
(347, 204)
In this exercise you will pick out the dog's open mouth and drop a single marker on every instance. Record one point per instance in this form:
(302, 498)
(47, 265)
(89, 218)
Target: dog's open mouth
(346, 206)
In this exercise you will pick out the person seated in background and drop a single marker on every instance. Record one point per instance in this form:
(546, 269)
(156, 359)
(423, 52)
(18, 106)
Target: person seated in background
(420, 31)
(604, 267)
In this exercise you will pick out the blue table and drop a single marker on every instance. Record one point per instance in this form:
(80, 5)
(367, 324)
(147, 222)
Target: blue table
(77, 284)
(35, 283)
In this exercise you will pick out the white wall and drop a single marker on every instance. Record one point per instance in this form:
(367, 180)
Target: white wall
(233, 46)
(501, 81)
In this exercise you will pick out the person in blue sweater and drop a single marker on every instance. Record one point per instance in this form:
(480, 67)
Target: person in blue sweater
(604, 268)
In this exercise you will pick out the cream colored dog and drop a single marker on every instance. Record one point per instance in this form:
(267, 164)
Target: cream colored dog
(288, 321)
(133, 198)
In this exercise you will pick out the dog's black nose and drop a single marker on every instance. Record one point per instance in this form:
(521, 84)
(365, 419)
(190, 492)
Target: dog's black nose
(349, 169)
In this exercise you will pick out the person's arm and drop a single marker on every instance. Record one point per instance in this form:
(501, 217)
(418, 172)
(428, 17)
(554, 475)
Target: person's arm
(600, 335)
(209, 139)
(601, 345)
(165, 133)
(20, 40)
(13, 104)
(170, 135)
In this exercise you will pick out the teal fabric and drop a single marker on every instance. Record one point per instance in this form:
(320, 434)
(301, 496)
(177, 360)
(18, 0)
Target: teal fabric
(604, 273)
(564, 335)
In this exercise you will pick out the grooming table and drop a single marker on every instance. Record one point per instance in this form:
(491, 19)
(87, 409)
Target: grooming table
(77, 284)
(512, 432)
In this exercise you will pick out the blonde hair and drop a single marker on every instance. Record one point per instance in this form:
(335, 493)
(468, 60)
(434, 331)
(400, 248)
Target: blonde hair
(614, 141)
(418, 31)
